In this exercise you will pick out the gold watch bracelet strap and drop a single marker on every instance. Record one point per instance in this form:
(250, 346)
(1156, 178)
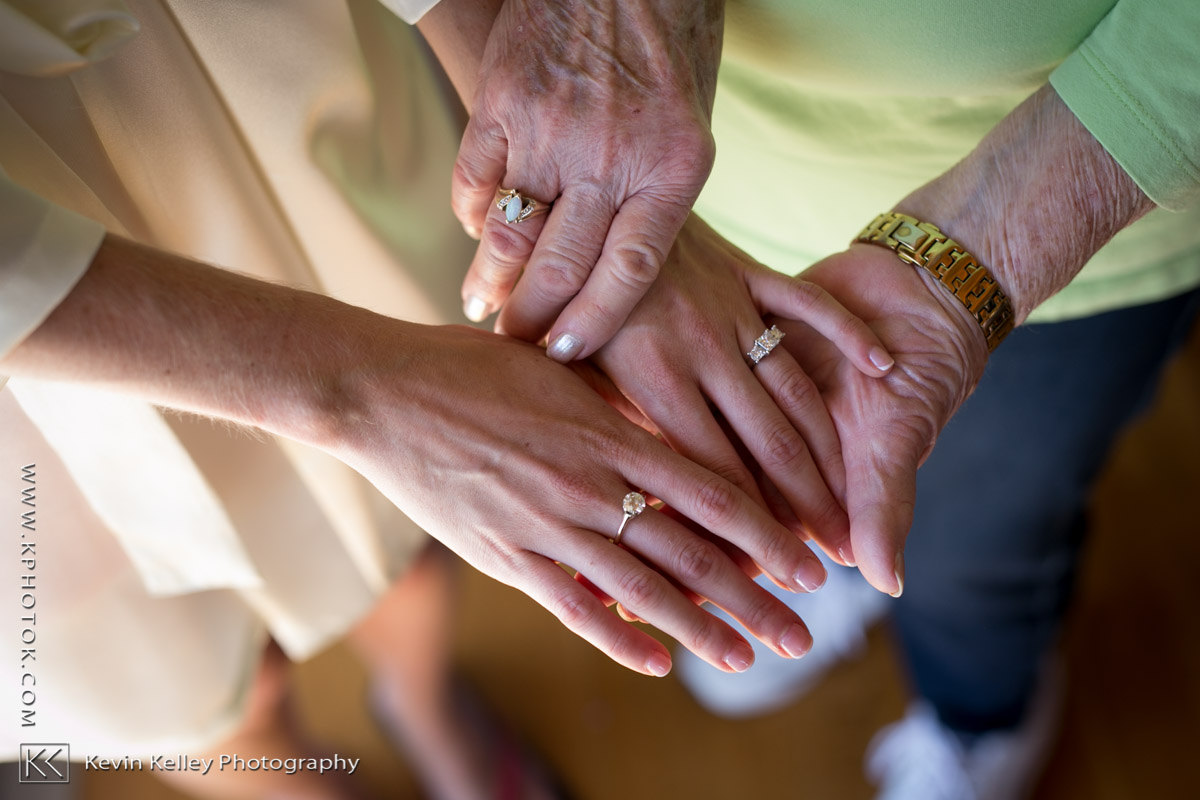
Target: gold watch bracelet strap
(923, 245)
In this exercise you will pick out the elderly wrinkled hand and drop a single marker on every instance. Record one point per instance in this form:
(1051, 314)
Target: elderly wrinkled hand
(602, 109)
(887, 426)
(681, 358)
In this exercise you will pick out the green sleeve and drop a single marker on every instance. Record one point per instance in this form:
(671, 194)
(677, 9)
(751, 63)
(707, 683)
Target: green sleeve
(1135, 84)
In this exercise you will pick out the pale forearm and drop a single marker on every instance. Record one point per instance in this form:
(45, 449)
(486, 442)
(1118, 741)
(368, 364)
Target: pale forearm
(1034, 201)
(188, 336)
(457, 32)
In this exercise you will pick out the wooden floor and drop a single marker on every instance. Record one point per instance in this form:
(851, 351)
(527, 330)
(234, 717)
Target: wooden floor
(1132, 723)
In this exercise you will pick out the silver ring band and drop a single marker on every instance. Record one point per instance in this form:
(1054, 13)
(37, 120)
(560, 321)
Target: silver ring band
(633, 504)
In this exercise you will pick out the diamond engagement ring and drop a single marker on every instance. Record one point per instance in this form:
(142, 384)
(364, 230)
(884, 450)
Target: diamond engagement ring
(517, 207)
(633, 504)
(764, 344)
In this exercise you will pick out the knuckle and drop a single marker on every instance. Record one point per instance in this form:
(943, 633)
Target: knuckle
(572, 608)
(783, 447)
(716, 502)
(776, 546)
(573, 488)
(696, 147)
(806, 295)
(636, 266)
(733, 471)
(639, 589)
(761, 614)
(706, 635)
(560, 277)
(507, 246)
(828, 516)
(697, 562)
(796, 392)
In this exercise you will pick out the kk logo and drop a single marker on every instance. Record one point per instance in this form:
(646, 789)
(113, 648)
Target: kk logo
(45, 763)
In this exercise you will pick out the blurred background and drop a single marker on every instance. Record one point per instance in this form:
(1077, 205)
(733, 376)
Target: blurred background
(1132, 646)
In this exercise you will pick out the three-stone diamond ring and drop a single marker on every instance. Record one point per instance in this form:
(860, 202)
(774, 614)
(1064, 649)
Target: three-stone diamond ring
(633, 504)
(764, 344)
(517, 207)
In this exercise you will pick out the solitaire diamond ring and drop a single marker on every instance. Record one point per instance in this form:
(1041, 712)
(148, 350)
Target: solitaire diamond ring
(633, 504)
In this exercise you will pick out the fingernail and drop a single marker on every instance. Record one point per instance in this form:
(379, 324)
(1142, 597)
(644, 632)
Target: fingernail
(811, 575)
(847, 557)
(476, 309)
(658, 665)
(880, 358)
(565, 347)
(899, 575)
(796, 642)
(472, 231)
(740, 657)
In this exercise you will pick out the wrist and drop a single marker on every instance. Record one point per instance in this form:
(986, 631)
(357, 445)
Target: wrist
(1033, 202)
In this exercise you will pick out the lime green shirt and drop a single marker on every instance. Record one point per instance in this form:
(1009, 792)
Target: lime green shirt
(830, 111)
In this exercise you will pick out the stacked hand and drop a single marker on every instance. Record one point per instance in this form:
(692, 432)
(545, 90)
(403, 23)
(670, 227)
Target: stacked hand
(602, 108)
(887, 427)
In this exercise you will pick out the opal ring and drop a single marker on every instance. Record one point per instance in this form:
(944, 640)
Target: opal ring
(517, 207)
(764, 344)
(633, 504)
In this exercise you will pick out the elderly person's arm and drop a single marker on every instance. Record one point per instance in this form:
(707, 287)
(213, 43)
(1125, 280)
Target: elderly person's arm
(1033, 202)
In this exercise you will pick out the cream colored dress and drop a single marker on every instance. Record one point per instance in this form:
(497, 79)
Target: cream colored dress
(303, 141)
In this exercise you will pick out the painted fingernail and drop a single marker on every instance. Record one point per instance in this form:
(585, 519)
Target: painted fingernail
(472, 231)
(476, 309)
(565, 347)
(847, 556)
(899, 575)
(880, 358)
(740, 657)
(796, 642)
(811, 575)
(658, 664)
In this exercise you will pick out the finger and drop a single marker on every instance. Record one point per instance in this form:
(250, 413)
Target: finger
(799, 400)
(881, 492)
(689, 427)
(482, 160)
(649, 596)
(719, 507)
(637, 245)
(583, 614)
(701, 567)
(786, 446)
(794, 298)
(566, 250)
(503, 251)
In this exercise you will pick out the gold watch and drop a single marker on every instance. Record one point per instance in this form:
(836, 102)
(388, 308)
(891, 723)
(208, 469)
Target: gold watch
(923, 245)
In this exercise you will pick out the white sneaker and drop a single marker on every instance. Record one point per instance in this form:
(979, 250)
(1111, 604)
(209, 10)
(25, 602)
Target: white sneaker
(838, 616)
(919, 758)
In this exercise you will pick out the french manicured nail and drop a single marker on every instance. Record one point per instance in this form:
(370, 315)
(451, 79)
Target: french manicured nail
(847, 557)
(899, 575)
(476, 309)
(880, 358)
(796, 642)
(565, 347)
(472, 231)
(811, 575)
(740, 657)
(658, 665)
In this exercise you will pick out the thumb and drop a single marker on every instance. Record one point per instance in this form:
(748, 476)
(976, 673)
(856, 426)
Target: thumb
(881, 490)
